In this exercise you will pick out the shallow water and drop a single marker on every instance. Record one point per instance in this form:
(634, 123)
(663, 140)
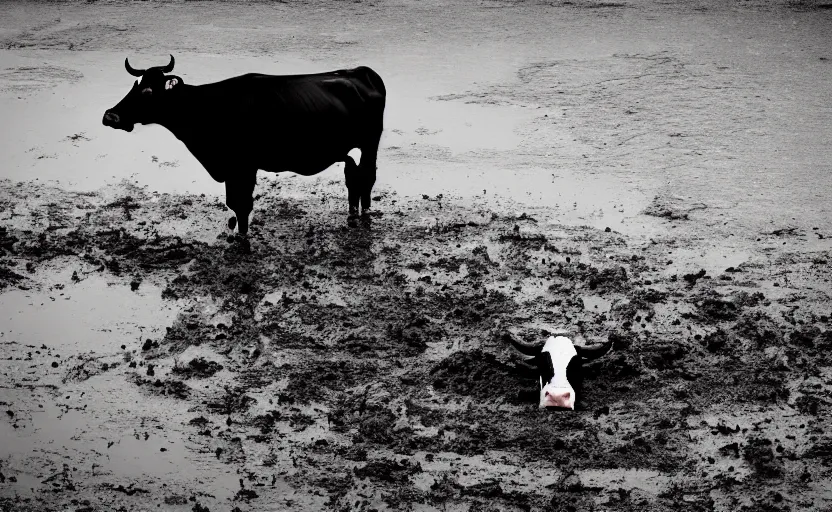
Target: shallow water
(714, 259)
(743, 95)
(596, 304)
(108, 428)
(138, 439)
(97, 314)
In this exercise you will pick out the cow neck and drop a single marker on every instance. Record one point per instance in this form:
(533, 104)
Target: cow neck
(178, 115)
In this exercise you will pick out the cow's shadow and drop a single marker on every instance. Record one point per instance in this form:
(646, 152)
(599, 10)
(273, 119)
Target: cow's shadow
(350, 247)
(340, 245)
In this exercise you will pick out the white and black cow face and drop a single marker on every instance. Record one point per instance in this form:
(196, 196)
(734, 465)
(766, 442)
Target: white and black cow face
(559, 365)
(145, 99)
(556, 359)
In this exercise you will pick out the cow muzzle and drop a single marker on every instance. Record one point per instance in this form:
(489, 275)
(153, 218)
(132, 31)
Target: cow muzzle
(563, 397)
(113, 120)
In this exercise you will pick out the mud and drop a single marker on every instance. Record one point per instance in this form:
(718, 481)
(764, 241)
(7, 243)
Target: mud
(349, 364)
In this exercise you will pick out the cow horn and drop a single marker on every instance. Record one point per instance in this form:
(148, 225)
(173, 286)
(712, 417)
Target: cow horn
(593, 352)
(134, 72)
(169, 67)
(527, 350)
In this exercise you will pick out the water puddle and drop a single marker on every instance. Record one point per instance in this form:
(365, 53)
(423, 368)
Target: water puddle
(714, 260)
(77, 141)
(482, 469)
(110, 429)
(595, 304)
(97, 314)
(643, 479)
(420, 125)
(597, 201)
(112, 433)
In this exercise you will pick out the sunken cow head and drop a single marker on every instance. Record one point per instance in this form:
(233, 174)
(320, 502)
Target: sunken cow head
(559, 363)
(146, 99)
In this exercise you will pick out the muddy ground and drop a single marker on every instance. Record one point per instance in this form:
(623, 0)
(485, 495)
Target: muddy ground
(153, 361)
(327, 367)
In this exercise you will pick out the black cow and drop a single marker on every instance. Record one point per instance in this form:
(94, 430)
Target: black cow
(277, 123)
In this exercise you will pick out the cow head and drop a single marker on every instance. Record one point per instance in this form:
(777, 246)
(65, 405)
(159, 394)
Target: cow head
(146, 99)
(559, 365)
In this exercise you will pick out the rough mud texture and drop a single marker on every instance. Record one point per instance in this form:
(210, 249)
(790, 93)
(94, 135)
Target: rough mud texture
(362, 367)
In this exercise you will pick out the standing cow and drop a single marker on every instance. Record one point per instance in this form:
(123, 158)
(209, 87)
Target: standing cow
(277, 123)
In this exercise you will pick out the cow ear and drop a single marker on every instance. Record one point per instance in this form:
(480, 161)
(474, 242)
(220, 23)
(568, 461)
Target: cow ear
(171, 83)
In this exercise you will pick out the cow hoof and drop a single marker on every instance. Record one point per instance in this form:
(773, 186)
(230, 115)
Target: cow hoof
(352, 217)
(239, 243)
(232, 223)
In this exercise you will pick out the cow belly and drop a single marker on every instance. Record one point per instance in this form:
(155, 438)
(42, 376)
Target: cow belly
(306, 152)
(307, 166)
(231, 158)
(304, 145)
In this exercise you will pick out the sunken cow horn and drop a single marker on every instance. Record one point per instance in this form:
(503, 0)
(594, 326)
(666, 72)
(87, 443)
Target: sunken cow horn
(134, 72)
(169, 67)
(593, 352)
(528, 350)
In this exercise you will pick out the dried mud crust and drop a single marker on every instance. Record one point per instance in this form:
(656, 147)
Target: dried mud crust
(364, 365)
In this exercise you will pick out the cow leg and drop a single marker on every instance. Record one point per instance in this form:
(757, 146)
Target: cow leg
(367, 167)
(352, 176)
(238, 197)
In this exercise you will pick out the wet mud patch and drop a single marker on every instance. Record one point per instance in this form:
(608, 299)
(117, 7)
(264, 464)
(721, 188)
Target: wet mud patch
(482, 376)
(326, 361)
(170, 388)
(576, 88)
(672, 208)
(25, 80)
(390, 471)
(67, 36)
(8, 277)
(316, 382)
(197, 367)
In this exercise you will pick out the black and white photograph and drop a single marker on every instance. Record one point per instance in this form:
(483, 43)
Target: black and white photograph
(415, 255)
